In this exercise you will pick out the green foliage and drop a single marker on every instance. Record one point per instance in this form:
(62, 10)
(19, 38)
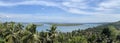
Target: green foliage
(31, 28)
(78, 39)
(2, 40)
(11, 32)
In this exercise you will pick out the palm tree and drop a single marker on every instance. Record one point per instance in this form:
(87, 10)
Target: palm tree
(52, 33)
(30, 35)
(9, 33)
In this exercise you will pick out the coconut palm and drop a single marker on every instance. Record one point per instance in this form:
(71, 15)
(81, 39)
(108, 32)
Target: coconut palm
(30, 35)
(52, 33)
(9, 33)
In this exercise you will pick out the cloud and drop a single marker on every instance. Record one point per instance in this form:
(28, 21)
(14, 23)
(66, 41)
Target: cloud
(106, 8)
(69, 19)
(101, 11)
(73, 6)
(32, 18)
(32, 2)
(111, 4)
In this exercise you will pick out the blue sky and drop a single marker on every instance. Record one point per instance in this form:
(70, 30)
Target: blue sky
(69, 11)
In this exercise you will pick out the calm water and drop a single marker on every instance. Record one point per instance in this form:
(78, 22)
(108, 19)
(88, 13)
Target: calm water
(67, 28)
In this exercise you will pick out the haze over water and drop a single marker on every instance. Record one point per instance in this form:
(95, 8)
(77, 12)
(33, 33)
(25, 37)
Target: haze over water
(67, 28)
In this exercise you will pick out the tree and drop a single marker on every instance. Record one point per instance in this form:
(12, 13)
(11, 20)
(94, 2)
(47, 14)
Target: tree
(52, 33)
(78, 39)
(9, 33)
(30, 35)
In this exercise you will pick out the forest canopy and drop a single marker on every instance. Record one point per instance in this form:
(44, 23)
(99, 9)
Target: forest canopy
(11, 32)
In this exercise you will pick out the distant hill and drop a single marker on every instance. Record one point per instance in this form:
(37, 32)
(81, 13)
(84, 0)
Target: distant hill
(104, 25)
(62, 24)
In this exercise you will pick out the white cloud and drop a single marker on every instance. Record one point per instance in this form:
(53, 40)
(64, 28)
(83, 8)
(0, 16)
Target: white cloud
(105, 11)
(105, 6)
(45, 3)
(69, 19)
(111, 4)
(31, 18)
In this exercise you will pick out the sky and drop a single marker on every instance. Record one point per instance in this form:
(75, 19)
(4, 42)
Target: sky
(67, 11)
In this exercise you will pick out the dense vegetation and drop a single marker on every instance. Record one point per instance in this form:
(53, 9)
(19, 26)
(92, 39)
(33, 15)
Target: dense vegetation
(11, 32)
